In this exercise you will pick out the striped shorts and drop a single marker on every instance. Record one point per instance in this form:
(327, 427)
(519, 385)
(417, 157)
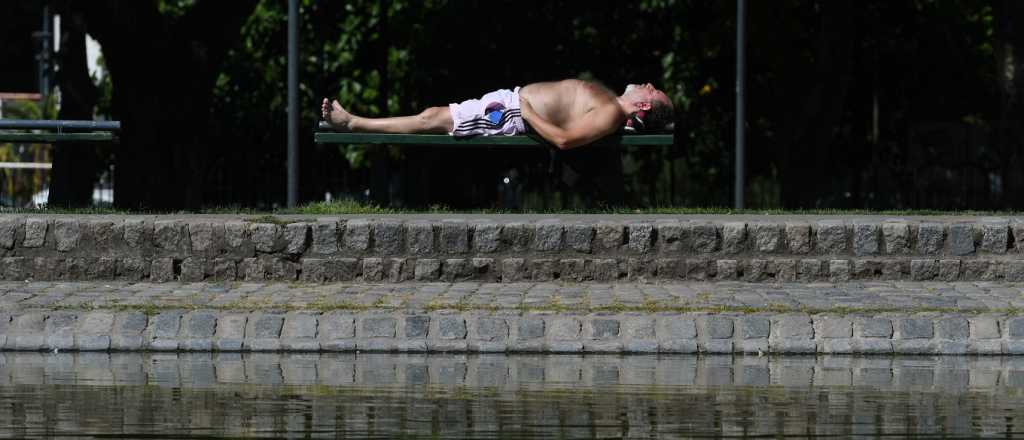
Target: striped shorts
(493, 114)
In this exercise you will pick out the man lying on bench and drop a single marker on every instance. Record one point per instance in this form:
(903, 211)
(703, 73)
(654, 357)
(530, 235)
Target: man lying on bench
(567, 113)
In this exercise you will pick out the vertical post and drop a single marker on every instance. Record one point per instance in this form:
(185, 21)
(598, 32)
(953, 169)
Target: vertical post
(741, 68)
(44, 58)
(293, 103)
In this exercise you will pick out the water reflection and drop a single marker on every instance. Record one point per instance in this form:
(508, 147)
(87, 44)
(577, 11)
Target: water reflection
(489, 396)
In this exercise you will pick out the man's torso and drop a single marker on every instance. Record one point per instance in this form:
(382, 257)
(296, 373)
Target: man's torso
(564, 102)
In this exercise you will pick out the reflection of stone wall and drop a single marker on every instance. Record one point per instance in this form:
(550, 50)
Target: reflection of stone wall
(331, 249)
(532, 396)
(407, 330)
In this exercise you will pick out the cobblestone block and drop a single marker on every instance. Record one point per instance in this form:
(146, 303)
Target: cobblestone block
(734, 237)
(669, 268)
(230, 332)
(727, 269)
(419, 237)
(604, 269)
(454, 269)
(983, 327)
(91, 324)
(137, 232)
(192, 269)
(949, 270)
(1015, 328)
(974, 269)
(833, 327)
(201, 237)
(896, 235)
(238, 241)
(162, 270)
(754, 327)
(548, 236)
(718, 327)
(798, 238)
(953, 328)
(486, 237)
(641, 237)
(325, 237)
(171, 237)
(378, 326)
(767, 236)
(517, 236)
(356, 237)
(785, 270)
(637, 328)
(281, 269)
(299, 326)
(128, 328)
(373, 269)
(454, 237)
(961, 239)
(609, 235)
(9, 231)
(923, 270)
(930, 238)
(753, 346)
(831, 236)
(867, 269)
(717, 346)
(427, 269)
(604, 328)
(873, 327)
(66, 232)
(265, 326)
(915, 328)
(163, 331)
(703, 237)
(398, 270)
(791, 327)
(676, 327)
(334, 326)
(865, 238)
(1014, 270)
(995, 235)
(221, 269)
(838, 346)
(35, 232)
(530, 327)
(1017, 228)
(873, 346)
(451, 327)
(60, 330)
(895, 269)
(793, 346)
(543, 269)
(266, 237)
(839, 271)
(491, 329)
(564, 329)
(809, 269)
(669, 235)
(296, 238)
(698, 268)
(686, 346)
(417, 326)
(989, 347)
(574, 269)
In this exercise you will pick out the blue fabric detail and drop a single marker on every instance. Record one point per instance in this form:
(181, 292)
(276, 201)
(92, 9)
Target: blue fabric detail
(494, 116)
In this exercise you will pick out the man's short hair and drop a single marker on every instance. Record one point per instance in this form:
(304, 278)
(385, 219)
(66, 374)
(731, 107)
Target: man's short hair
(660, 117)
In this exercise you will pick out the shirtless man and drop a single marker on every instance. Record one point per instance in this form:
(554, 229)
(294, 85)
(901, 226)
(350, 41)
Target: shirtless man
(568, 113)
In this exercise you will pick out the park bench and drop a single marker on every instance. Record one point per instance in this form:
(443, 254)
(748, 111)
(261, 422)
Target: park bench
(324, 136)
(54, 131)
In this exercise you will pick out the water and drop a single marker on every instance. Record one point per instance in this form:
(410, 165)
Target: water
(454, 396)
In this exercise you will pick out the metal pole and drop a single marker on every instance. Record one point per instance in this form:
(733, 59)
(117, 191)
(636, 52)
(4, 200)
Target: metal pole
(293, 103)
(741, 68)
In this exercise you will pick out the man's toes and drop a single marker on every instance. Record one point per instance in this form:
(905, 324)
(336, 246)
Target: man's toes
(336, 105)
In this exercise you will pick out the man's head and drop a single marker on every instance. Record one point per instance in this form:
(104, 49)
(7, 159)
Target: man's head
(656, 107)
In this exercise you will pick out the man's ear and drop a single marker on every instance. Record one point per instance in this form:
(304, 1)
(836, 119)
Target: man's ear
(645, 106)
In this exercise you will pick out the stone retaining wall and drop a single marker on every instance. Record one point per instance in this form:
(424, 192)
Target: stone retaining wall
(452, 331)
(395, 250)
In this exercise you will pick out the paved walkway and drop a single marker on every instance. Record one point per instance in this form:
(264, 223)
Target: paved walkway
(908, 297)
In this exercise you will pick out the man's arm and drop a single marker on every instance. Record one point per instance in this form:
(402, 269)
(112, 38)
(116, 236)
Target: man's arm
(597, 124)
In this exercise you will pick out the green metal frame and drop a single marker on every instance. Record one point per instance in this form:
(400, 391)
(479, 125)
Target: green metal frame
(57, 137)
(442, 139)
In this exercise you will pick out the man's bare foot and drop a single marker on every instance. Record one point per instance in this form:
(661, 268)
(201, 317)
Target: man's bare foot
(335, 115)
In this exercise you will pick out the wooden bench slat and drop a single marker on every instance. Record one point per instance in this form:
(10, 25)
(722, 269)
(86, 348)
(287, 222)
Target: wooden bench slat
(442, 139)
(56, 137)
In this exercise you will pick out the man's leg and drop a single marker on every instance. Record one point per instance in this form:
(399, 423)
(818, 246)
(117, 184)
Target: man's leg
(437, 120)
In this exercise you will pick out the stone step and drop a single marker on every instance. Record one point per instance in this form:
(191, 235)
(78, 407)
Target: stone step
(863, 318)
(510, 248)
